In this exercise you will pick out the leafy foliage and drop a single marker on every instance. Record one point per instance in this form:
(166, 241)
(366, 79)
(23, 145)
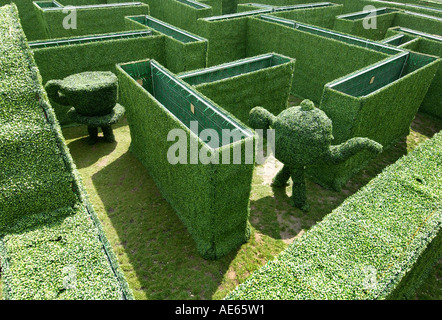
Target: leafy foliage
(303, 137)
(46, 223)
(238, 89)
(369, 246)
(90, 93)
(201, 194)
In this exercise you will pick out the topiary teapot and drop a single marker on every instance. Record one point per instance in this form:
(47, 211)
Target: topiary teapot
(303, 137)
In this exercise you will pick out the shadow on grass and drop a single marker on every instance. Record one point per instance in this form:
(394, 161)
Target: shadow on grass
(426, 125)
(157, 244)
(71, 132)
(92, 152)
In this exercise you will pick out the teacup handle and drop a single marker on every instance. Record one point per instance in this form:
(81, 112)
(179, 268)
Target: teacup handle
(52, 88)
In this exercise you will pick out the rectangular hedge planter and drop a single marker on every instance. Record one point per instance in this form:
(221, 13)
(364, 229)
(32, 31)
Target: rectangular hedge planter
(212, 200)
(90, 19)
(184, 13)
(228, 34)
(321, 55)
(428, 44)
(378, 102)
(353, 23)
(183, 50)
(241, 85)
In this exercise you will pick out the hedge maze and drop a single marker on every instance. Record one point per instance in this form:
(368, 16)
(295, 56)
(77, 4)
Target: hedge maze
(212, 61)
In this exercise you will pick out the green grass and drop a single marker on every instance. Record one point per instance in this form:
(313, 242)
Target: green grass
(155, 251)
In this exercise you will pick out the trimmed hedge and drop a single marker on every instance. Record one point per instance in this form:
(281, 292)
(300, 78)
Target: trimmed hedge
(184, 13)
(319, 59)
(303, 137)
(321, 16)
(46, 221)
(416, 6)
(201, 194)
(64, 60)
(241, 85)
(217, 6)
(91, 93)
(387, 20)
(424, 43)
(90, 19)
(379, 244)
(227, 39)
(378, 102)
(44, 250)
(356, 26)
(183, 51)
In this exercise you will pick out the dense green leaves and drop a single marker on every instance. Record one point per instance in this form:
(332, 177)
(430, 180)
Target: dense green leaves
(212, 200)
(370, 246)
(51, 243)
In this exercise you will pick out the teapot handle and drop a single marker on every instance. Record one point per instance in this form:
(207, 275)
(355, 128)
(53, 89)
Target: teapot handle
(52, 88)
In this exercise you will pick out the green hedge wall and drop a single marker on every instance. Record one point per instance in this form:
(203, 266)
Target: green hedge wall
(201, 195)
(243, 7)
(41, 250)
(183, 51)
(60, 62)
(183, 15)
(425, 7)
(217, 6)
(46, 221)
(269, 86)
(94, 20)
(33, 30)
(432, 103)
(424, 24)
(322, 16)
(383, 113)
(378, 244)
(319, 59)
(356, 27)
(227, 39)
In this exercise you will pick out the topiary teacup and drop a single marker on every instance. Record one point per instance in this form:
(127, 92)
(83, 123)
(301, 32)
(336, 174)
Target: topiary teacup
(90, 93)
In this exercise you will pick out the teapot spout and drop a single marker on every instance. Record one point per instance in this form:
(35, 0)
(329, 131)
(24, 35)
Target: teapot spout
(344, 151)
